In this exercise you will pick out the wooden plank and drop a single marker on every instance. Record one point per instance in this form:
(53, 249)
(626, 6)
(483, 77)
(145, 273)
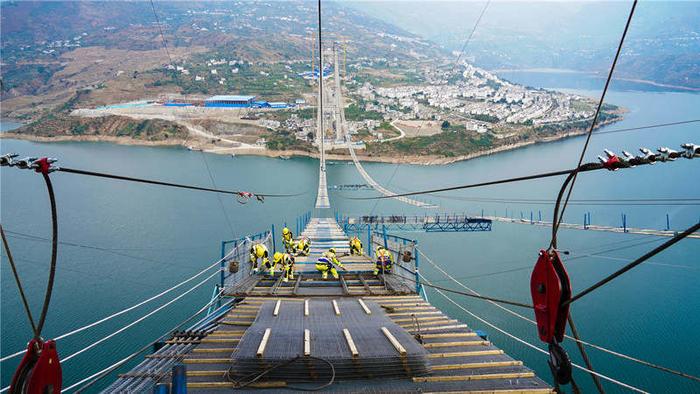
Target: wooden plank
(491, 364)
(427, 324)
(335, 308)
(392, 315)
(420, 319)
(213, 350)
(307, 342)
(449, 335)
(456, 344)
(467, 354)
(263, 342)
(306, 307)
(438, 328)
(229, 385)
(276, 312)
(206, 360)
(394, 341)
(351, 343)
(220, 340)
(364, 306)
(464, 378)
(206, 373)
(498, 391)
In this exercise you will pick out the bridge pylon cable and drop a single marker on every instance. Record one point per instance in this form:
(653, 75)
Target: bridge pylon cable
(597, 347)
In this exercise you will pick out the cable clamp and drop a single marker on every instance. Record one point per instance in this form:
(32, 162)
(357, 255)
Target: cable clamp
(612, 163)
(647, 157)
(24, 163)
(690, 150)
(7, 159)
(667, 154)
(44, 165)
(243, 197)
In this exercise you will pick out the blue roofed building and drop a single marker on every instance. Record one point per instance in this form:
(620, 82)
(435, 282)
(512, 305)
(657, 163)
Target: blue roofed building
(229, 101)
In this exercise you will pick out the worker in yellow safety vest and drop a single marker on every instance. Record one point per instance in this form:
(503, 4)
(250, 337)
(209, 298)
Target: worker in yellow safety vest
(356, 246)
(327, 262)
(259, 252)
(303, 247)
(286, 262)
(383, 262)
(288, 240)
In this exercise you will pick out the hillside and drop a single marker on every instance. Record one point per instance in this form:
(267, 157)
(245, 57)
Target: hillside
(52, 49)
(663, 44)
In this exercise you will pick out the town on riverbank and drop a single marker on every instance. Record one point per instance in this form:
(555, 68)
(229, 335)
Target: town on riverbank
(422, 114)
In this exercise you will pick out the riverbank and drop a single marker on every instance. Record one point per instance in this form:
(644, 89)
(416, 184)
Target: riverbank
(596, 75)
(259, 151)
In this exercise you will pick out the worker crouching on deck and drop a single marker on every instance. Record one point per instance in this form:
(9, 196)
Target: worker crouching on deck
(356, 246)
(327, 262)
(259, 252)
(286, 261)
(303, 247)
(383, 262)
(288, 240)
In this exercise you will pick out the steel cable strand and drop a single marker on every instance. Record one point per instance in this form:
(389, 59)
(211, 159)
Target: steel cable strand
(480, 297)
(170, 184)
(528, 344)
(557, 220)
(605, 350)
(94, 378)
(454, 65)
(20, 288)
(142, 318)
(124, 328)
(54, 253)
(254, 377)
(597, 113)
(123, 311)
(678, 237)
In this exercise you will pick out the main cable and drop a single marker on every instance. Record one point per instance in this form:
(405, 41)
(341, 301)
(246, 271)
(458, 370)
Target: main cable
(469, 38)
(636, 262)
(528, 344)
(557, 220)
(11, 260)
(474, 185)
(169, 184)
(142, 318)
(54, 253)
(160, 28)
(94, 378)
(480, 297)
(128, 309)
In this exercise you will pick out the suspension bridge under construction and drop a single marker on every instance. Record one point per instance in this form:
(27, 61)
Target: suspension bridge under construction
(370, 326)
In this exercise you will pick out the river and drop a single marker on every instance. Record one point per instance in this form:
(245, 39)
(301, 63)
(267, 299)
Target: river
(150, 237)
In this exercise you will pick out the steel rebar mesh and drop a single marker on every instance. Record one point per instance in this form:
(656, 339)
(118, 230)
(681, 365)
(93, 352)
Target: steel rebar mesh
(377, 357)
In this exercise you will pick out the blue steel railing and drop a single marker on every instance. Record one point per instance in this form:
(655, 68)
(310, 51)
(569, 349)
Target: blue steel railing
(239, 252)
(398, 247)
(428, 223)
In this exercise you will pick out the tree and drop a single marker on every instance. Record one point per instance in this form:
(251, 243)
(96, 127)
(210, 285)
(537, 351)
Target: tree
(445, 125)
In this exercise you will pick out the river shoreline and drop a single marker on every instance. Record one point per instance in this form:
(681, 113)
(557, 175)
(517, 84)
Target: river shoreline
(414, 160)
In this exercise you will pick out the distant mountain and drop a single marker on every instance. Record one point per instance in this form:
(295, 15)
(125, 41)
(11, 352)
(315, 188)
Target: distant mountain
(39, 38)
(663, 43)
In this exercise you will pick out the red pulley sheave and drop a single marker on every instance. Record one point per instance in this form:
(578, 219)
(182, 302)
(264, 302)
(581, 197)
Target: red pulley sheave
(39, 372)
(550, 288)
